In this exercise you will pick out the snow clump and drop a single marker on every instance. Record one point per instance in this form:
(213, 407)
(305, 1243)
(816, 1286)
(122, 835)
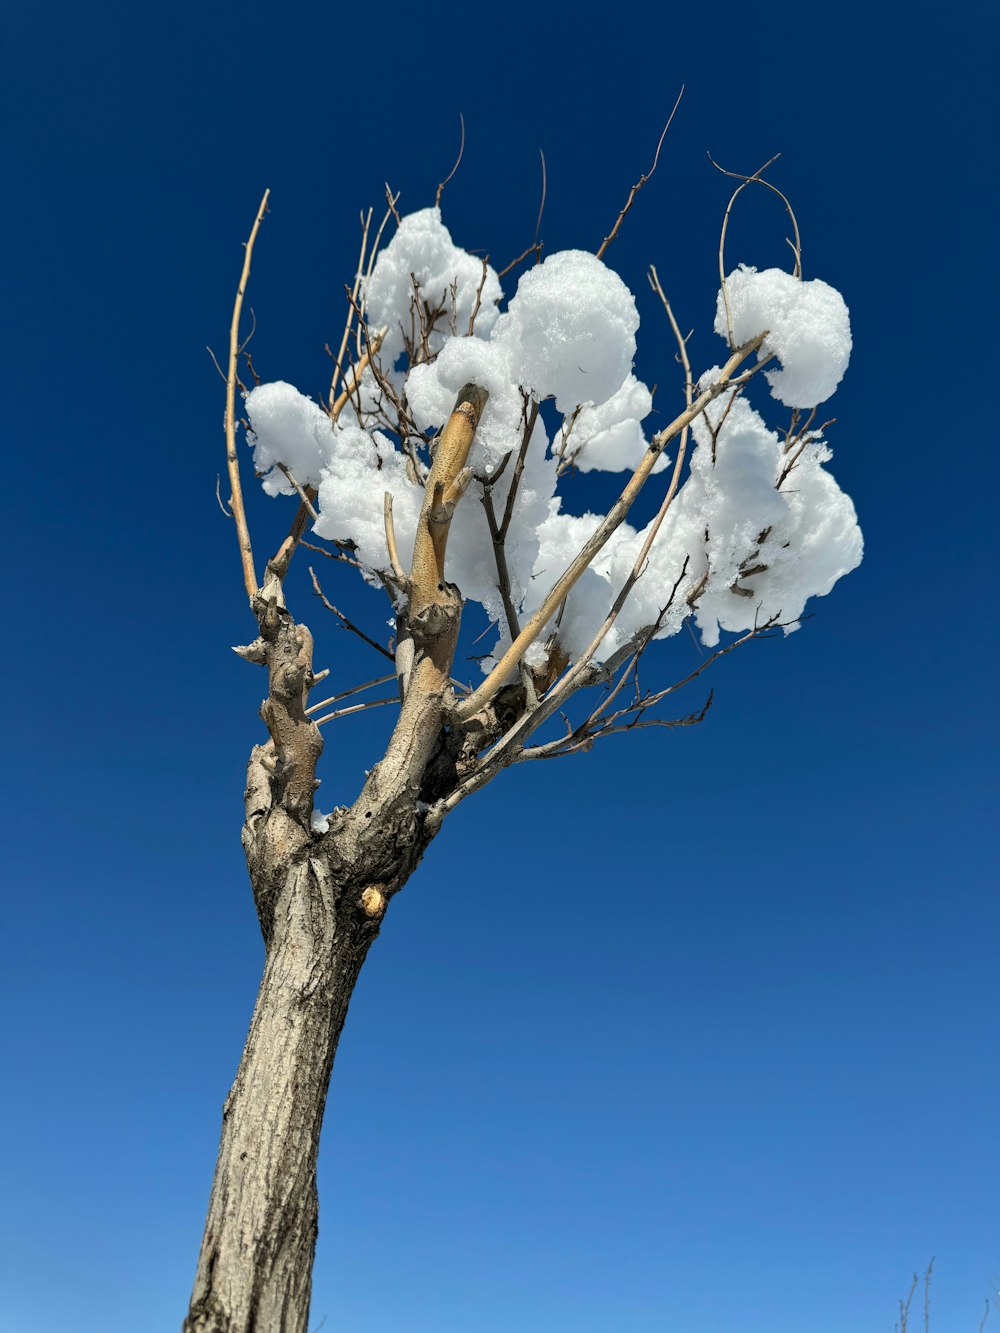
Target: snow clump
(361, 467)
(287, 427)
(422, 251)
(570, 330)
(809, 330)
(608, 437)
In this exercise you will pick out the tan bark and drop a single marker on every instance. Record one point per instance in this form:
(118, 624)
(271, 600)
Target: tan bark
(321, 899)
(254, 1270)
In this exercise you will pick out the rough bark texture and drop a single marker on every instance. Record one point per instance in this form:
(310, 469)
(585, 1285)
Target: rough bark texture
(257, 1254)
(320, 898)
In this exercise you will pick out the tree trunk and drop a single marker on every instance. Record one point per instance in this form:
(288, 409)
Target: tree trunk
(320, 897)
(255, 1266)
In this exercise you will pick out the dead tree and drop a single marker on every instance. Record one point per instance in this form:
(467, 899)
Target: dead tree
(322, 885)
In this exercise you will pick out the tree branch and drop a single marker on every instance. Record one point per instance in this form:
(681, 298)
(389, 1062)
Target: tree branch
(390, 541)
(347, 624)
(443, 490)
(461, 150)
(640, 182)
(232, 459)
(346, 694)
(612, 520)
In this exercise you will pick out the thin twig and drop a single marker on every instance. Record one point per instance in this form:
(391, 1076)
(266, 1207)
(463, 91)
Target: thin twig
(391, 200)
(758, 632)
(300, 490)
(535, 247)
(796, 245)
(520, 259)
(654, 279)
(278, 566)
(383, 384)
(357, 708)
(500, 558)
(642, 641)
(340, 554)
(927, 1296)
(222, 373)
(338, 371)
(346, 694)
(749, 180)
(531, 417)
(479, 298)
(563, 746)
(378, 338)
(251, 367)
(218, 482)
(541, 206)
(461, 150)
(640, 182)
(232, 459)
(347, 624)
(904, 1310)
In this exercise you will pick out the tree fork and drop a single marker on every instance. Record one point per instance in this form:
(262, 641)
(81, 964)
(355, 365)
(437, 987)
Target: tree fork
(320, 899)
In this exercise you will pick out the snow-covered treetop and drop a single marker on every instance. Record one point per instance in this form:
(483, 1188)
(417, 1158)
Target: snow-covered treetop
(757, 524)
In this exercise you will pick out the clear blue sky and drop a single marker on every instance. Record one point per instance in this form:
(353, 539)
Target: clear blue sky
(695, 1034)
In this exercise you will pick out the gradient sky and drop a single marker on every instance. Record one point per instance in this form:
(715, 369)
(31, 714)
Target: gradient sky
(696, 1033)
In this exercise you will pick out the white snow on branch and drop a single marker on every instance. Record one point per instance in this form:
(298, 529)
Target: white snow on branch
(757, 527)
(608, 437)
(360, 468)
(809, 330)
(287, 427)
(422, 263)
(431, 390)
(569, 331)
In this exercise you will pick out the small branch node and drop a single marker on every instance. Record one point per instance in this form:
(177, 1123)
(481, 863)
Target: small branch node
(255, 652)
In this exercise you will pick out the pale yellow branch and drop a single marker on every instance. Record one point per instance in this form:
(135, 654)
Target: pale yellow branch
(232, 459)
(390, 541)
(338, 371)
(390, 212)
(427, 575)
(350, 390)
(356, 708)
(278, 566)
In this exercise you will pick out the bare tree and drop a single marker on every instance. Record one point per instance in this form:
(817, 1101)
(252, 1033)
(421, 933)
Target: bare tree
(322, 883)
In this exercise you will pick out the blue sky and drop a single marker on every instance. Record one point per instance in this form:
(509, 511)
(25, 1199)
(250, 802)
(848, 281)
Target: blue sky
(696, 1033)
